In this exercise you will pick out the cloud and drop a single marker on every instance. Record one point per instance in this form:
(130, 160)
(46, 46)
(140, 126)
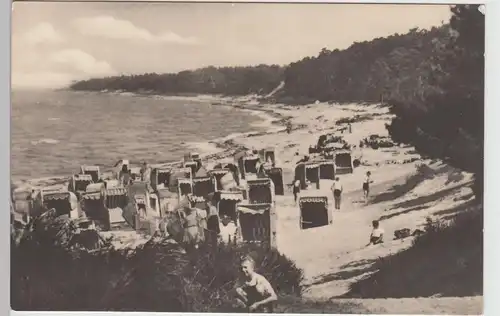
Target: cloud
(80, 62)
(56, 69)
(42, 33)
(109, 27)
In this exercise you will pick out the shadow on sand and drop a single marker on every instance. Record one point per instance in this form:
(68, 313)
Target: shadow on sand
(446, 261)
(422, 200)
(364, 266)
(423, 173)
(406, 211)
(421, 203)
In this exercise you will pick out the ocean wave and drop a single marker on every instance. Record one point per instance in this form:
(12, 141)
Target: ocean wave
(45, 141)
(204, 148)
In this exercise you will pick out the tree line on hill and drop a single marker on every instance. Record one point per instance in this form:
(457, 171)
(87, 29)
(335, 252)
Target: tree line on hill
(260, 79)
(447, 120)
(433, 80)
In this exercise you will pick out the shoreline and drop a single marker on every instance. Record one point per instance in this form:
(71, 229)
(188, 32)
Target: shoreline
(209, 150)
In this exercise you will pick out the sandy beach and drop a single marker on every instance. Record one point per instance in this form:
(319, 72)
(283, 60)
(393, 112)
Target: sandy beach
(334, 256)
(327, 254)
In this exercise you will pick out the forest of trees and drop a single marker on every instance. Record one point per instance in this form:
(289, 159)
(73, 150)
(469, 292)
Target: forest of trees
(446, 120)
(260, 79)
(432, 79)
(397, 66)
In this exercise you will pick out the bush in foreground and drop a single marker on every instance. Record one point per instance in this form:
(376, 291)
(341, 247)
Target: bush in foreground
(157, 276)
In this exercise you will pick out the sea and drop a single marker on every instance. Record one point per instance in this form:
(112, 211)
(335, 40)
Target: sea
(53, 133)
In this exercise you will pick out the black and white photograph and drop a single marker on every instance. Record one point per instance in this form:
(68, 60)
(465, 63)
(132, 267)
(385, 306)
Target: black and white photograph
(247, 157)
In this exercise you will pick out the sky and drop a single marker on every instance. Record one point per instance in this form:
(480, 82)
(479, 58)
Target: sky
(54, 43)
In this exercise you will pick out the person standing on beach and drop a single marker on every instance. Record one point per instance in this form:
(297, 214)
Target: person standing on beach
(337, 192)
(124, 176)
(296, 190)
(229, 230)
(191, 228)
(145, 172)
(366, 185)
(213, 226)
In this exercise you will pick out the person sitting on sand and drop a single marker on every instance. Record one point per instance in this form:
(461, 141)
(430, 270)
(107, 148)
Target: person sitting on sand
(268, 164)
(377, 235)
(337, 192)
(366, 185)
(254, 293)
(141, 211)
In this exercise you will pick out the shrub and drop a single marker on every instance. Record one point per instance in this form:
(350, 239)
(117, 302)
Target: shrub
(157, 276)
(217, 270)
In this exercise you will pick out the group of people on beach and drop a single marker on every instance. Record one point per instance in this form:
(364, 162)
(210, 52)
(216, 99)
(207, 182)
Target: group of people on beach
(376, 236)
(125, 174)
(337, 189)
(204, 225)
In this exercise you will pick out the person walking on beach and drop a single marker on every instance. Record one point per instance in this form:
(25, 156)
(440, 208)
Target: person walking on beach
(337, 192)
(366, 185)
(349, 127)
(296, 190)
